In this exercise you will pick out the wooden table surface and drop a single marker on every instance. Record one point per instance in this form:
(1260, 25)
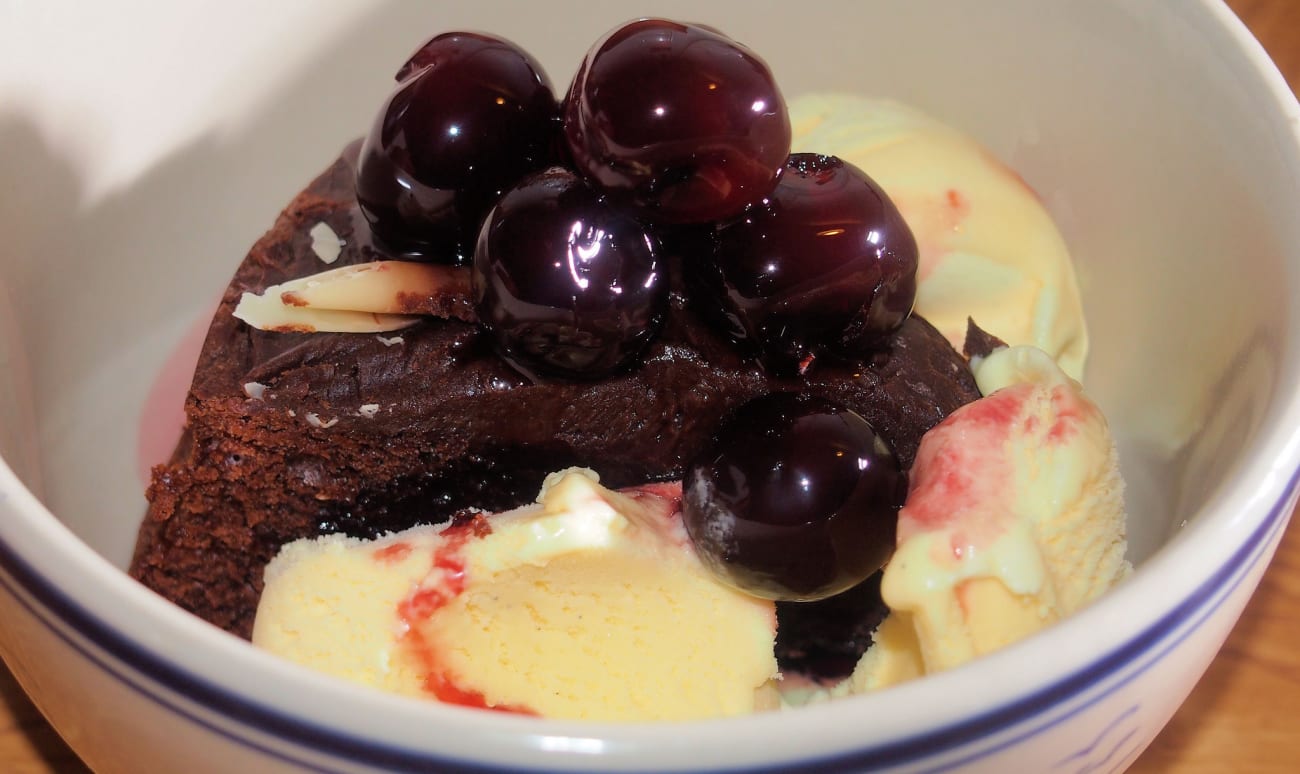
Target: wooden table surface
(1244, 716)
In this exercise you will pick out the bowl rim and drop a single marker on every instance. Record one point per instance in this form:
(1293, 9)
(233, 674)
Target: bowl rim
(181, 664)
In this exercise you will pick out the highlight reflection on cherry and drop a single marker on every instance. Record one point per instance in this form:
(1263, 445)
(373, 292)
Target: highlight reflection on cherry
(677, 120)
(795, 498)
(471, 116)
(825, 262)
(566, 284)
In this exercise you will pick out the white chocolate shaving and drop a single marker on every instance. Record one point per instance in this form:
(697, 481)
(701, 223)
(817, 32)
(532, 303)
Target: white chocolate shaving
(325, 243)
(369, 410)
(267, 312)
(315, 421)
(364, 298)
(384, 287)
(254, 390)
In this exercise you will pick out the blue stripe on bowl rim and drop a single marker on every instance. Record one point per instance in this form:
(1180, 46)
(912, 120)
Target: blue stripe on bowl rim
(153, 678)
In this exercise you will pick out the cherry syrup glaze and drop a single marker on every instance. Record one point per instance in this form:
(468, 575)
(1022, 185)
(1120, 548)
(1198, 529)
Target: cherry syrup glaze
(162, 419)
(662, 497)
(471, 116)
(447, 574)
(394, 552)
(825, 262)
(937, 222)
(677, 120)
(965, 479)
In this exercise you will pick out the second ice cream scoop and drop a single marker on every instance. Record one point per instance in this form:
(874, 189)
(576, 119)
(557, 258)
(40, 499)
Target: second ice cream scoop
(1014, 519)
(988, 247)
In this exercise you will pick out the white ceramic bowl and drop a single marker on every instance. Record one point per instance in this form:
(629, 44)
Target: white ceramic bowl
(145, 146)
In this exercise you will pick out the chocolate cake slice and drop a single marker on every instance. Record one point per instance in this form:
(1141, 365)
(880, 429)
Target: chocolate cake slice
(295, 434)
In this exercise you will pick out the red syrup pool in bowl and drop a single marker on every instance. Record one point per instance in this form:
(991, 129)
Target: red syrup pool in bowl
(163, 416)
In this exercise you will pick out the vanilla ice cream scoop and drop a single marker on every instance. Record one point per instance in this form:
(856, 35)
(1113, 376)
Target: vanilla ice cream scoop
(590, 604)
(1014, 519)
(988, 248)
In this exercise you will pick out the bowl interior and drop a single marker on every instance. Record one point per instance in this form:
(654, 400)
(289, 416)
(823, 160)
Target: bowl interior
(1138, 124)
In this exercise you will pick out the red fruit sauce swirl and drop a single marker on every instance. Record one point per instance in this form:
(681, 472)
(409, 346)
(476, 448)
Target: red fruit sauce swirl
(448, 564)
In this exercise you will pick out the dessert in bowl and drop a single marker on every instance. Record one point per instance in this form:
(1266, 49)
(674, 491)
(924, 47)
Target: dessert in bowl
(1093, 655)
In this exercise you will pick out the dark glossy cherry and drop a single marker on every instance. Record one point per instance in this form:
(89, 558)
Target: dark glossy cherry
(678, 120)
(825, 261)
(471, 116)
(566, 284)
(795, 498)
